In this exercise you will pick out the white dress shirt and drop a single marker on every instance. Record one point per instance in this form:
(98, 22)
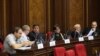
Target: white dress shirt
(91, 32)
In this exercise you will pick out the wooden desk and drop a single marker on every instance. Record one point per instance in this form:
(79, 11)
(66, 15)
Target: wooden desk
(91, 46)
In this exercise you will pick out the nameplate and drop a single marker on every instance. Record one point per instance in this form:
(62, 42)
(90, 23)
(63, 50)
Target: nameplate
(52, 43)
(40, 46)
(90, 38)
(80, 39)
(67, 41)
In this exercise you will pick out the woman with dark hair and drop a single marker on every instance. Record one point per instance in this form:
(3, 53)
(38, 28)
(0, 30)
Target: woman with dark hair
(57, 35)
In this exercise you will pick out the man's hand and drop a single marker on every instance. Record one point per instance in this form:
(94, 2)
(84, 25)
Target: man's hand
(27, 43)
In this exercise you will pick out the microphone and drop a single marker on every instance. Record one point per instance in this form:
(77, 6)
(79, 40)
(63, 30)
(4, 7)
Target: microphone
(67, 35)
(75, 34)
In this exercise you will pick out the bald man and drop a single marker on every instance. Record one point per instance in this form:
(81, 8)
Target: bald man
(76, 32)
(93, 31)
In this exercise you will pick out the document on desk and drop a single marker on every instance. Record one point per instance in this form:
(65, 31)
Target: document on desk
(24, 48)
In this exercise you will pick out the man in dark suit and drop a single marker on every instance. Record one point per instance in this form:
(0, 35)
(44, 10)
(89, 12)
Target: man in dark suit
(76, 32)
(36, 35)
(93, 31)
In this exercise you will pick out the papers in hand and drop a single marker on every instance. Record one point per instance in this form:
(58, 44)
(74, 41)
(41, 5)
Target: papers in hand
(24, 48)
(67, 41)
(52, 43)
(90, 38)
(80, 39)
(40, 46)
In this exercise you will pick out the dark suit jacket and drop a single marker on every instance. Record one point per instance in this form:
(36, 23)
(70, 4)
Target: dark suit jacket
(56, 36)
(40, 37)
(75, 34)
(87, 30)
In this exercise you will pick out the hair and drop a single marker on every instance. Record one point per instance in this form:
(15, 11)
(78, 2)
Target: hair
(24, 27)
(76, 25)
(34, 25)
(94, 21)
(16, 29)
(55, 27)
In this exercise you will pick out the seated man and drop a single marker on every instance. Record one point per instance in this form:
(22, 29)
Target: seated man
(76, 32)
(36, 35)
(56, 35)
(10, 42)
(93, 31)
(24, 37)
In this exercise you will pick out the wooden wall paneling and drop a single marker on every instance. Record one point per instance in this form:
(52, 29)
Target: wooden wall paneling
(85, 13)
(37, 13)
(52, 14)
(76, 12)
(48, 16)
(93, 11)
(58, 11)
(46, 13)
(59, 14)
(24, 11)
(1, 16)
(4, 19)
(17, 13)
(8, 16)
(65, 15)
(13, 14)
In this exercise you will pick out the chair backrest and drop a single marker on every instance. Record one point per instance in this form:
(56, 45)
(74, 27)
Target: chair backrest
(70, 52)
(48, 35)
(59, 51)
(80, 50)
(1, 45)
